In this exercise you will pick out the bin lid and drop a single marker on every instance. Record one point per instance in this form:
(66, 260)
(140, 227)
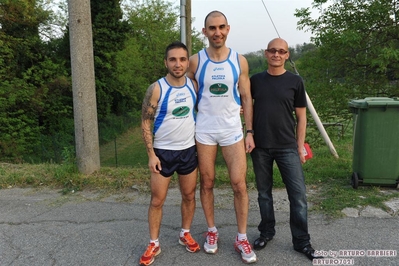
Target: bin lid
(370, 102)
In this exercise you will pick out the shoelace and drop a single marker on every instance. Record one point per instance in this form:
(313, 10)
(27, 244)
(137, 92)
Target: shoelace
(246, 247)
(211, 238)
(188, 238)
(150, 249)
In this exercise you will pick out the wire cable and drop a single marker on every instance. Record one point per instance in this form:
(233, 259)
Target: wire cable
(275, 28)
(271, 19)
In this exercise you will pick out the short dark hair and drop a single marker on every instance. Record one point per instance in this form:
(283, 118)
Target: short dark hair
(174, 45)
(212, 13)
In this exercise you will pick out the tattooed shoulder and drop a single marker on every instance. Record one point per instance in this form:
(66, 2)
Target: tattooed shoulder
(148, 109)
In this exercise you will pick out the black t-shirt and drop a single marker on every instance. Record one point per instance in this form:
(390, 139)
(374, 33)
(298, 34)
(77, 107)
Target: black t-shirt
(275, 100)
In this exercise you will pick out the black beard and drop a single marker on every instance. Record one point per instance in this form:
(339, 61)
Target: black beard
(175, 76)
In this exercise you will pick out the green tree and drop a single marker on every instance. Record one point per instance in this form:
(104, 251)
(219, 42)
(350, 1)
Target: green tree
(256, 61)
(31, 76)
(357, 52)
(36, 114)
(23, 73)
(109, 36)
(153, 25)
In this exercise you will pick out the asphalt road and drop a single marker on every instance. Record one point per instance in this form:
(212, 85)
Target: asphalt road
(47, 228)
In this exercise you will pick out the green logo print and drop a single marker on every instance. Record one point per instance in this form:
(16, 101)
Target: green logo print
(218, 88)
(181, 111)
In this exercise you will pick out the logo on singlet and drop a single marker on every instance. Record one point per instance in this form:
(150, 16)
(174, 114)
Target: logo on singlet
(218, 77)
(181, 111)
(218, 88)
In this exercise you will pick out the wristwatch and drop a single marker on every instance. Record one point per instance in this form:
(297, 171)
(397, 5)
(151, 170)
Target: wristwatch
(250, 131)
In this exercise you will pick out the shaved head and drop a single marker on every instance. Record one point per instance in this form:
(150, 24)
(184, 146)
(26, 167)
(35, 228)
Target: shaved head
(278, 41)
(214, 13)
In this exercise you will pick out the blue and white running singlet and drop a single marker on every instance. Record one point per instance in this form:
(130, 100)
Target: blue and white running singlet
(174, 124)
(218, 96)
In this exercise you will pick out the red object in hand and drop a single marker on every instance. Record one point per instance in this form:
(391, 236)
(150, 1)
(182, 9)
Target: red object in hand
(307, 151)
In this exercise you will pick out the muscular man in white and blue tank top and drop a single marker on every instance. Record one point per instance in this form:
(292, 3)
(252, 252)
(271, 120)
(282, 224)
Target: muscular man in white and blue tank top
(174, 121)
(224, 86)
(169, 104)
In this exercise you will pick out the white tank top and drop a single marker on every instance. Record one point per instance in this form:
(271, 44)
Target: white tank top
(218, 96)
(174, 124)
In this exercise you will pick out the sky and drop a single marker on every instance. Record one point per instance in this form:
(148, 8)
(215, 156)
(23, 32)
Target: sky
(251, 28)
(250, 25)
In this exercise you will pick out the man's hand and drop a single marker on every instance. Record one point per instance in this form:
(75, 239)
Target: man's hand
(301, 155)
(154, 164)
(249, 143)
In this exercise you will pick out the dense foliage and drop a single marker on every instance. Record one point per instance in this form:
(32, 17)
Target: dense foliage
(26, 73)
(354, 54)
(36, 113)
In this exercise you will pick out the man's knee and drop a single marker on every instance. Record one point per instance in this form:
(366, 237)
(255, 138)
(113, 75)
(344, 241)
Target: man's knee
(188, 196)
(207, 181)
(239, 187)
(157, 202)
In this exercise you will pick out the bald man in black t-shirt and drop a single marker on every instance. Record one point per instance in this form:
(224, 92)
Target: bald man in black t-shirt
(279, 137)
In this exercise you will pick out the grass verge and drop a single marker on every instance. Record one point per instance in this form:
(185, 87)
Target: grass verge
(327, 177)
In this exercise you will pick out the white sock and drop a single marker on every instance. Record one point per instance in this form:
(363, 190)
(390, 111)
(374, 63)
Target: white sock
(156, 242)
(241, 237)
(184, 231)
(212, 229)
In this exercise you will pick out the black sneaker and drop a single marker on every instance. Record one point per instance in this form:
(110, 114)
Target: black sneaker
(309, 252)
(261, 242)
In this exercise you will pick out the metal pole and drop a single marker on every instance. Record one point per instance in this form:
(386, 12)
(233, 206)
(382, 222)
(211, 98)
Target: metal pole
(316, 118)
(321, 127)
(188, 27)
(183, 21)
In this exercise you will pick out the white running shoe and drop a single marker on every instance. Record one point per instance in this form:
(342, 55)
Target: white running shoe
(211, 242)
(243, 247)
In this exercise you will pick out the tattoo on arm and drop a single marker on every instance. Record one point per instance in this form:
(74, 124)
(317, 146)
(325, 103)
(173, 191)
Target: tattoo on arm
(148, 110)
(148, 115)
(147, 138)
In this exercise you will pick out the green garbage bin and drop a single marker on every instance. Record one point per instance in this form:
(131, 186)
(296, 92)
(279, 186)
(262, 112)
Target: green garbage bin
(375, 141)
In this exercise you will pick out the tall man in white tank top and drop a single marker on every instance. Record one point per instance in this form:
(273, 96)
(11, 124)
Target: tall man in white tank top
(223, 87)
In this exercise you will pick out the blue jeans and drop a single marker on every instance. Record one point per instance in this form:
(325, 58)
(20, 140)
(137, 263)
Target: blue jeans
(290, 167)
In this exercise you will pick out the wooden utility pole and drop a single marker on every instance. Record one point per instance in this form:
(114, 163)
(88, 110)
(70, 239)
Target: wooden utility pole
(83, 86)
(185, 24)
